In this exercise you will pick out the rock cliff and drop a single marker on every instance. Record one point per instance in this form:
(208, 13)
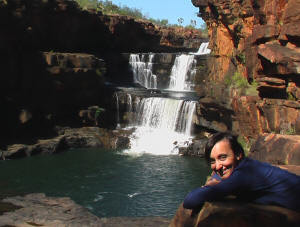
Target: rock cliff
(55, 58)
(259, 41)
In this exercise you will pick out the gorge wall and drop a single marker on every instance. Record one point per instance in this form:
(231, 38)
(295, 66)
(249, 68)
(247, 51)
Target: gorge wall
(260, 41)
(55, 58)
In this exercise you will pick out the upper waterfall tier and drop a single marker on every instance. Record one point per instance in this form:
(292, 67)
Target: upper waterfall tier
(203, 49)
(183, 73)
(141, 65)
(166, 71)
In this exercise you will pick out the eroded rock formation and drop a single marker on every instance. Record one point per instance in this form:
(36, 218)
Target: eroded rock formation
(259, 40)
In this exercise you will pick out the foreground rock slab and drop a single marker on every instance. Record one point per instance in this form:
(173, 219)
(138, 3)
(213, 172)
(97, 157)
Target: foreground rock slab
(228, 214)
(39, 210)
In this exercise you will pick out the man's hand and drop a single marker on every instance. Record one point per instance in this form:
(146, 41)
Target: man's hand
(211, 182)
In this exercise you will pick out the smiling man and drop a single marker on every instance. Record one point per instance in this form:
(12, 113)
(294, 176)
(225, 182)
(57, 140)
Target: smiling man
(247, 179)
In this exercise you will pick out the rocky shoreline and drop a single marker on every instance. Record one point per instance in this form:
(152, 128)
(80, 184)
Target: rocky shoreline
(85, 137)
(40, 210)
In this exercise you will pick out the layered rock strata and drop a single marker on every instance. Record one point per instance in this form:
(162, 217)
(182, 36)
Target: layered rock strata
(259, 41)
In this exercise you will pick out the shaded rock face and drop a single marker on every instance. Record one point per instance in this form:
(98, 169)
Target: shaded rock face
(228, 214)
(49, 89)
(259, 40)
(45, 80)
(85, 137)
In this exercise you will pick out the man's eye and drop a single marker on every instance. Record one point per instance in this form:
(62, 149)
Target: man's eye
(222, 157)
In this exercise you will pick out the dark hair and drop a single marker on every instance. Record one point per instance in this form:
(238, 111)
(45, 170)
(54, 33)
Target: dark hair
(234, 144)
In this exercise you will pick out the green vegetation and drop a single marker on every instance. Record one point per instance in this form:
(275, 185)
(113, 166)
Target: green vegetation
(108, 8)
(241, 58)
(245, 144)
(98, 113)
(100, 72)
(99, 110)
(288, 129)
(291, 97)
(237, 81)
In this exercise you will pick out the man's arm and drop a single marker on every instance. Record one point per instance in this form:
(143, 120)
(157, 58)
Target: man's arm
(212, 192)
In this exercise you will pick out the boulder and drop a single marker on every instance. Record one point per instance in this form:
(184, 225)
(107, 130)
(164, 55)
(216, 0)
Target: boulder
(227, 214)
(277, 149)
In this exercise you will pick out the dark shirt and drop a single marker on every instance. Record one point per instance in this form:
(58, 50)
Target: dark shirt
(252, 181)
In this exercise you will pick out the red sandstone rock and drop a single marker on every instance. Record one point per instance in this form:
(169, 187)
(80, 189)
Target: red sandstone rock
(265, 34)
(228, 214)
(277, 149)
(286, 60)
(257, 116)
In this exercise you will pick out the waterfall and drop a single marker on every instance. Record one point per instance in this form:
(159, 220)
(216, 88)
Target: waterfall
(162, 123)
(183, 73)
(116, 98)
(203, 49)
(165, 113)
(129, 103)
(142, 70)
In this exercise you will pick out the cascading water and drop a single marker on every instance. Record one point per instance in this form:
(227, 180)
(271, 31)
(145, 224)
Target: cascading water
(116, 99)
(129, 103)
(142, 70)
(183, 73)
(162, 124)
(203, 49)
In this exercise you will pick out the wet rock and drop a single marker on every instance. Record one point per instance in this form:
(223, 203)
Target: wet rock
(85, 137)
(196, 148)
(39, 210)
(277, 149)
(230, 213)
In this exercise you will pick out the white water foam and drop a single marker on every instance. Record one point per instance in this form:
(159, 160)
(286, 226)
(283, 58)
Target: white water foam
(161, 125)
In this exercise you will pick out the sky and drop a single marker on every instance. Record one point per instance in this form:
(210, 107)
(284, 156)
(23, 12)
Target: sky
(165, 9)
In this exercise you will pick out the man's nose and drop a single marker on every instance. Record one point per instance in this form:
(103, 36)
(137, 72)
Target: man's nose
(218, 165)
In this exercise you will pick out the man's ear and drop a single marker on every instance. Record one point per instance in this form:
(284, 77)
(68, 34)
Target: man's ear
(239, 157)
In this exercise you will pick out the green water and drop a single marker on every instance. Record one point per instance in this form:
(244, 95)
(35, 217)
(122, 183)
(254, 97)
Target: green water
(108, 183)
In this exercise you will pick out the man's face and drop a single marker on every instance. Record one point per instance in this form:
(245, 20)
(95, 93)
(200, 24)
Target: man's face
(222, 159)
